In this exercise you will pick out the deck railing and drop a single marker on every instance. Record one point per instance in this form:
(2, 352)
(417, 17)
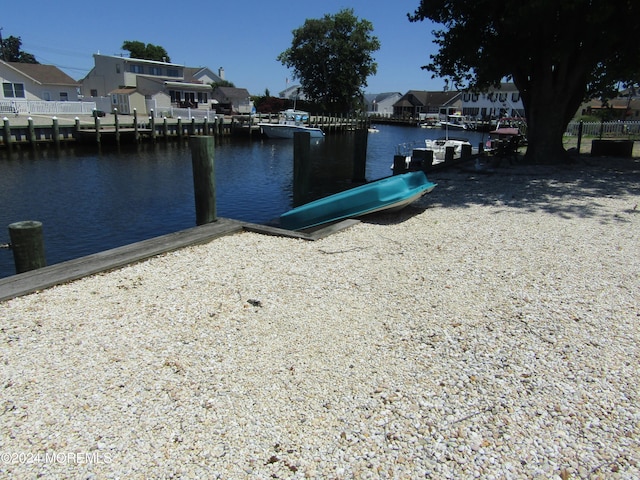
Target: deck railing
(605, 129)
(42, 107)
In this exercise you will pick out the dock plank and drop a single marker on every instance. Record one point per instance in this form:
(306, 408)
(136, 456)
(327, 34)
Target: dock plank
(29, 282)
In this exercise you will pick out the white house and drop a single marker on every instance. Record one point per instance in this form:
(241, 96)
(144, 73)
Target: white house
(32, 81)
(494, 104)
(167, 84)
(381, 103)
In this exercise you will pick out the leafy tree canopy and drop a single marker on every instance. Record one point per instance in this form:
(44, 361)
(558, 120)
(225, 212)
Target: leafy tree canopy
(146, 52)
(11, 51)
(557, 52)
(332, 58)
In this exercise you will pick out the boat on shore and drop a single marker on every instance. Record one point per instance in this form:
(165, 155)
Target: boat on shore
(390, 193)
(289, 122)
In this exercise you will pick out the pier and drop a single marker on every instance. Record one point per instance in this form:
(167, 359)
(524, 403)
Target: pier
(117, 128)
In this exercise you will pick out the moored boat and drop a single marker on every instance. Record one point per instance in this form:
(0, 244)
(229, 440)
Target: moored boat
(390, 193)
(289, 122)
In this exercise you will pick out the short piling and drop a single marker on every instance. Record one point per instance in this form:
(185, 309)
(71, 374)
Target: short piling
(27, 244)
(204, 179)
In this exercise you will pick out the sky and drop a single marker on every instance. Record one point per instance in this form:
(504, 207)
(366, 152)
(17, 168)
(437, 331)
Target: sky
(243, 37)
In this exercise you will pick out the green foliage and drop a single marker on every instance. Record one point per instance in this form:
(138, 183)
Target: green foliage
(332, 58)
(222, 83)
(557, 52)
(11, 51)
(149, 51)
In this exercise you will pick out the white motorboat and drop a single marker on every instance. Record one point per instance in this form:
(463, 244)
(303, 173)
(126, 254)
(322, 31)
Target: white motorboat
(289, 122)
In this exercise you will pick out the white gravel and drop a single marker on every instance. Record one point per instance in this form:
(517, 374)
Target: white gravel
(489, 331)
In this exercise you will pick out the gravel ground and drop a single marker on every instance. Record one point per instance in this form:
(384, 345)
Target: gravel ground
(490, 330)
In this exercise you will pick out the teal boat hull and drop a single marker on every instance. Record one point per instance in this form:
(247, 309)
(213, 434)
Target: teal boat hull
(391, 193)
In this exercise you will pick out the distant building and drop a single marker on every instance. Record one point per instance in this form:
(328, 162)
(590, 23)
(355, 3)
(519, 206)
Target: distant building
(493, 104)
(162, 84)
(230, 100)
(626, 106)
(32, 81)
(294, 92)
(381, 103)
(418, 103)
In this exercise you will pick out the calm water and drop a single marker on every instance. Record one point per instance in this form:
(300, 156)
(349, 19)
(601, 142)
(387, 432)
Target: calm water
(90, 202)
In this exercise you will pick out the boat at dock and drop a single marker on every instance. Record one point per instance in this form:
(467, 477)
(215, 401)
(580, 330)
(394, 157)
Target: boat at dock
(438, 147)
(390, 193)
(289, 122)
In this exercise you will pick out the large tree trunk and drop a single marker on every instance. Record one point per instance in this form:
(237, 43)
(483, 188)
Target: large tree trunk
(545, 128)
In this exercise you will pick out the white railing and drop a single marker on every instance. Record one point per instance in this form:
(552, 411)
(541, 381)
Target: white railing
(606, 129)
(42, 107)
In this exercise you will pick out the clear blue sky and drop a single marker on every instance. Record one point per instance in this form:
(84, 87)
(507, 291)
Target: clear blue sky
(244, 37)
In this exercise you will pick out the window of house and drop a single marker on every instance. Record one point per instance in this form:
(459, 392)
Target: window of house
(173, 72)
(155, 70)
(117, 68)
(135, 68)
(64, 96)
(13, 90)
(503, 97)
(203, 97)
(474, 97)
(515, 96)
(94, 92)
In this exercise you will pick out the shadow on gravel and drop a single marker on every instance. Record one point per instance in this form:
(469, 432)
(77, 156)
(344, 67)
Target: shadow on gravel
(570, 191)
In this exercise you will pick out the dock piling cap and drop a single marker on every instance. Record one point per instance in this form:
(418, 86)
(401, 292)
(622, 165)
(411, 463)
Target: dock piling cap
(25, 225)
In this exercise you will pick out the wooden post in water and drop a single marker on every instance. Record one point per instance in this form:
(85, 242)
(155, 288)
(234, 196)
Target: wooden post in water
(56, 132)
(96, 122)
(7, 133)
(32, 132)
(115, 118)
(465, 152)
(193, 125)
(448, 153)
(179, 131)
(165, 128)
(28, 245)
(152, 124)
(136, 133)
(301, 167)
(399, 164)
(360, 155)
(480, 148)
(204, 178)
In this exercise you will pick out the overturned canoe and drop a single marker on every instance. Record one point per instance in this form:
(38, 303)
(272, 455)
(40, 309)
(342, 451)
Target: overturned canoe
(391, 193)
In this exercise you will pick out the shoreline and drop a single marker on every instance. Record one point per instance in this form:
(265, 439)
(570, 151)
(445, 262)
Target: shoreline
(490, 330)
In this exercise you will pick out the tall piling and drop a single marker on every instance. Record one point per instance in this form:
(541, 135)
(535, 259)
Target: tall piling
(204, 178)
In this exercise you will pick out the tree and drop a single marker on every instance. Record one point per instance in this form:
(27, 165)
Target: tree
(11, 51)
(332, 58)
(557, 52)
(146, 52)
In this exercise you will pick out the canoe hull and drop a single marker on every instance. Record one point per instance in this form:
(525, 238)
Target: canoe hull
(391, 193)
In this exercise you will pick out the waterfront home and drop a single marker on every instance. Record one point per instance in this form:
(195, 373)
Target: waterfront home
(162, 84)
(25, 82)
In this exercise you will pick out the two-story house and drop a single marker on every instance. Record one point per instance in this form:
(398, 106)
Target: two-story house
(160, 84)
(493, 104)
(418, 103)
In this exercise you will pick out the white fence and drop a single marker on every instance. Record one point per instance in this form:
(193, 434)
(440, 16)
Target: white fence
(606, 129)
(34, 107)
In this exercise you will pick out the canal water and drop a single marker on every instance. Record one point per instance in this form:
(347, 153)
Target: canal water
(90, 200)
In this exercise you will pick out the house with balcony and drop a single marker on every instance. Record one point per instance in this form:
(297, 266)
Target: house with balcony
(24, 82)
(162, 84)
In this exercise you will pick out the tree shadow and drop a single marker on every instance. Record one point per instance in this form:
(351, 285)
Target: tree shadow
(574, 190)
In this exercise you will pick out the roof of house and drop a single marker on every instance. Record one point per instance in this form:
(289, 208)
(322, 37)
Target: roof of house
(415, 98)
(43, 74)
(232, 92)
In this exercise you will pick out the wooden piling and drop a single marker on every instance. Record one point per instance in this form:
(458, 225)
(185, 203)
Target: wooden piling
(152, 124)
(301, 167)
(399, 164)
(56, 133)
(117, 126)
(27, 245)
(7, 133)
(465, 151)
(449, 152)
(360, 155)
(204, 179)
(32, 132)
(96, 122)
(136, 132)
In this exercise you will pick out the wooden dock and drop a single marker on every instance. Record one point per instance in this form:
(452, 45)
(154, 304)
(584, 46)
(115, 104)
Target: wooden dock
(36, 280)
